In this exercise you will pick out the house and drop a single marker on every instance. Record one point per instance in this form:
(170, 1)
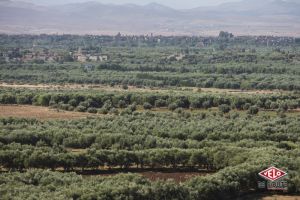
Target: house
(15, 60)
(6, 59)
(179, 57)
(94, 58)
(176, 57)
(103, 58)
(82, 58)
(28, 57)
(201, 45)
(51, 59)
(41, 57)
(88, 67)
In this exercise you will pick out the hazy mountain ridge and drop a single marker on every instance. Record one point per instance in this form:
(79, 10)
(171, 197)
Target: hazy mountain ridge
(269, 17)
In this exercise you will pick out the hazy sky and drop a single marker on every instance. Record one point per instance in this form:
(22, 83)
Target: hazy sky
(172, 3)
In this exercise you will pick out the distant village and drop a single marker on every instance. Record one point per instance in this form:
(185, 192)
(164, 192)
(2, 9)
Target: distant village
(43, 56)
(34, 55)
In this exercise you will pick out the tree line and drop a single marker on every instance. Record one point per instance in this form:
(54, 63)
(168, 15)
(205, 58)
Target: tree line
(105, 102)
(228, 184)
(148, 130)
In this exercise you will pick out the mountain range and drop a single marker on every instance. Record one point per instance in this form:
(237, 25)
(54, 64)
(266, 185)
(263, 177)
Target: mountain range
(248, 17)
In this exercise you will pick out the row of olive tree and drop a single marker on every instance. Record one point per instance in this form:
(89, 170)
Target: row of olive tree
(108, 102)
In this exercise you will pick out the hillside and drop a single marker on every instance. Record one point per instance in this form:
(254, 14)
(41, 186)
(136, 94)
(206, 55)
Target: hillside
(272, 17)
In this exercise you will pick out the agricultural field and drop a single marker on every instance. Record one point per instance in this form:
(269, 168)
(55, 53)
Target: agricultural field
(36, 112)
(208, 62)
(185, 118)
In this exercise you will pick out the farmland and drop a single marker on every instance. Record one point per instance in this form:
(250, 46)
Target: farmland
(35, 112)
(183, 118)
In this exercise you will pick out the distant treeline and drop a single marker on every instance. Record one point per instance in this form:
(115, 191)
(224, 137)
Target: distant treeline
(144, 40)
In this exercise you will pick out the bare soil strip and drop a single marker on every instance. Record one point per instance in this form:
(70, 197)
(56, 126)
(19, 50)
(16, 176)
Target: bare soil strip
(269, 197)
(281, 197)
(37, 112)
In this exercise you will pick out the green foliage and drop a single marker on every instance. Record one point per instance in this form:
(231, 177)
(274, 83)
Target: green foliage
(92, 110)
(221, 62)
(81, 109)
(230, 148)
(224, 108)
(147, 106)
(253, 110)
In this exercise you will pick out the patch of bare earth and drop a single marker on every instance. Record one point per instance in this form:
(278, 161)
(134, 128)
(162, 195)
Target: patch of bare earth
(270, 197)
(37, 112)
(279, 197)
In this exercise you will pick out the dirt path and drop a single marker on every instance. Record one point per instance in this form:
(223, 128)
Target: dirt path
(134, 89)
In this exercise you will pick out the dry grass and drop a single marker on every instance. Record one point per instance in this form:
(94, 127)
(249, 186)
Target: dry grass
(42, 113)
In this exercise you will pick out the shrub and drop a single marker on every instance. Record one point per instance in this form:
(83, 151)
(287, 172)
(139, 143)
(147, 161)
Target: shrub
(247, 106)
(114, 111)
(73, 102)
(160, 103)
(92, 110)
(253, 110)
(103, 111)
(122, 104)
(125, 87)
(147, 106)
(132, 107)
(274, 105)
(70, 108)
(127, 111)
(80, 109)
(179, 110)
(43, 100)
(224, 108)
(63, 106)
(107, 105)
(206, 104)
(172, 106)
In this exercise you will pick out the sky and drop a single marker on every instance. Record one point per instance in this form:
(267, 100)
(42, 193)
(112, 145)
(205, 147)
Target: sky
(178, 4)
